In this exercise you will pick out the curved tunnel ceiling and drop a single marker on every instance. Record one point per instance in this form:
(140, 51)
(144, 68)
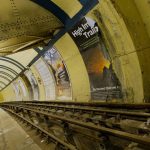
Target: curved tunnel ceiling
(24, 23)
(12, 65)
(27, 24)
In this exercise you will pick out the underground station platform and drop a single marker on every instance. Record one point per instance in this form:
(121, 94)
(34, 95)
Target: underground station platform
(74, 75)
(12, 136)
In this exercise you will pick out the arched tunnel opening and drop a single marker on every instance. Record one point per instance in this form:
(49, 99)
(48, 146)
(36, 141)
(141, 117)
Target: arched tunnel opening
(74, 75)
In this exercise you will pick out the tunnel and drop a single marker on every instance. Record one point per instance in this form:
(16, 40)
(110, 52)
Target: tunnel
(75, 75)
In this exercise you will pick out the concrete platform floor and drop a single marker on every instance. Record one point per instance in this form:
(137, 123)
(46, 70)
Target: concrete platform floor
(12, 136)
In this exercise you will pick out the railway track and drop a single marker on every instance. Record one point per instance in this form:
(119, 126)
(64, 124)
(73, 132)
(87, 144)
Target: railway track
(59, 143)
(142, 106)
(124, 111)
(101, 124)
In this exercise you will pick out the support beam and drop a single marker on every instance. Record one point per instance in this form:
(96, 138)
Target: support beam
(68, 26)
(11, 62)
(3, 83)
(15, 61)
(18, 74)
(6, 74)
(9, 69)
(37, 50)
(1, 76)
(53, 8)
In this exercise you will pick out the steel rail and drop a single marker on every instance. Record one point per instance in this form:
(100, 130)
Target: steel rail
(139, 116)
(93, 104)
(124, 135)
(94, 111)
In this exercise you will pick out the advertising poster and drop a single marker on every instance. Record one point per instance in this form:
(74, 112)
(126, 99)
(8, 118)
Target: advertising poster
(104, 83)
(33, 83)
(47, 79)
(22, 87)
(56, 64)
(19, 89)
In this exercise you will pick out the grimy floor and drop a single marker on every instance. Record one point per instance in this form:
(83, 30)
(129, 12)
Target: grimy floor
(12, 136)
